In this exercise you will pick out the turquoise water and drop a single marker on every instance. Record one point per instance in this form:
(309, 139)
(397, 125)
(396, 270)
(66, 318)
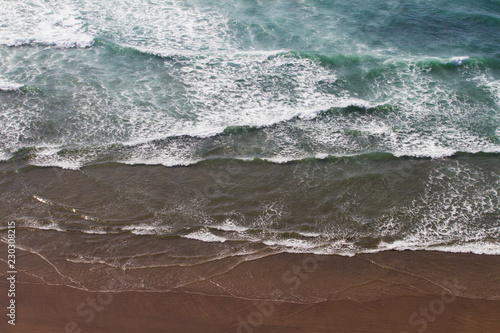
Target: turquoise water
(177, 83)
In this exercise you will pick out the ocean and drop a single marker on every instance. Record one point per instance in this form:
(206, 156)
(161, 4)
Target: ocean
(144, 133)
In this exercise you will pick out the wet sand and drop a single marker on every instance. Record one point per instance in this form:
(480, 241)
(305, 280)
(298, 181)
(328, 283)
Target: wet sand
(384, 292)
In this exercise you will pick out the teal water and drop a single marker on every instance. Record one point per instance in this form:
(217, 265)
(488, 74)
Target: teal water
(178, 83)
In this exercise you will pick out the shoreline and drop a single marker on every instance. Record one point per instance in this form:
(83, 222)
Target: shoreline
(403, 292)
(328, 207)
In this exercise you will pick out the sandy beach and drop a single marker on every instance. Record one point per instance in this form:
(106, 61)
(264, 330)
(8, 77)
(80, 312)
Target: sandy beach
(383, 292)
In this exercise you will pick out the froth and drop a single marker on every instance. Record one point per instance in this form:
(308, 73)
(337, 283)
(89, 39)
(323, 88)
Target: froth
(205, 236)
(9, 86)
(56, 24)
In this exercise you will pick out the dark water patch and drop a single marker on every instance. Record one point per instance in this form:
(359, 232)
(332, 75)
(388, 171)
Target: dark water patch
(360, 110)
(239, 129)
(23, 154)
(124, 50)
(30, 89)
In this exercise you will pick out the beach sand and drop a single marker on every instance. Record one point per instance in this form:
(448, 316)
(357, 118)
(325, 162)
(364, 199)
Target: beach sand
(407, 291)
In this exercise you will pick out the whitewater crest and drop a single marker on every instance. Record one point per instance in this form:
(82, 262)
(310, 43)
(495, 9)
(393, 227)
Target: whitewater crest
(9, 86)
(58, 24)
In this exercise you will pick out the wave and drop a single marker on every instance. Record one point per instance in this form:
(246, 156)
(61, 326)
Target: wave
(180, 151)
(458, 62)
(372, 156)
(348, 106)
(295, 242)
(325, 60)
(273, 105)
(435, 63)
(29, 156)
(64, 43)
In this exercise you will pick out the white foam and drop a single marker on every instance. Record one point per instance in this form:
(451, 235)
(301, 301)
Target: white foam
(47, 202)
(230, 225)
(297, 244)
(163, 160)
(344, 248)
(481, 247)
(9, 86)
(457, 61)
(205, 236)
(41, 22)
(95, 231)
(229, 89)
(87, 260)
(39, 225)
(54, 160)
(4, 157)
(163, 27)
(235, 106)
(488, 82)
(147, 229)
